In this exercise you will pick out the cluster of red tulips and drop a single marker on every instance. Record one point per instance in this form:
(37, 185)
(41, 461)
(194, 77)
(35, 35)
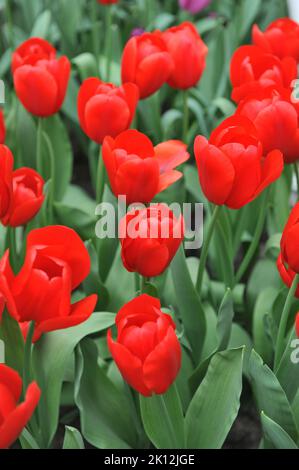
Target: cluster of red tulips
(240, 160)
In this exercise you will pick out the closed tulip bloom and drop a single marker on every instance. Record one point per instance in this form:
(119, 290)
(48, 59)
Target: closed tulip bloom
(150, 238)
(6, 170)
(104, 109)
(252, 70)
(146, 351)
(137, 169)
(14, 415)
(288, 260)
(2, 127)
(281, 38)
(56, 263)
(27, 197)
(194, 6)
(188, 52)
(232, 166)
(276, 121)
(40, 78)
(146, 62)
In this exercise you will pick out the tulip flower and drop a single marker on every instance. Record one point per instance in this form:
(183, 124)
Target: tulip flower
(288, 260)
(194, 6)
(233, 167)
(188, 52)
(6, 171)
(146, 351)
(276, 121)
(281, 38)
(150, 238)
(104, 109)
(297, 325)
(27, 197)
(137, 169)
(252, 70)
(56, 263)
(2, 127)
(40, 78)
(14, 416)
(146, 62)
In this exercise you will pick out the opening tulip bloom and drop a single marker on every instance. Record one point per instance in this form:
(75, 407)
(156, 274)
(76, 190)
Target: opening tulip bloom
(288, 260)
(147, 351)
(188, 52)
(281, 38)
(276, 122)
(137, 169)
(40, 78)
(233, 169)
(252, 70)
(104, 109)
(146, 62)
(2, 128)
(194, 6)
(150, 238)
(56, 263)
(14, 416)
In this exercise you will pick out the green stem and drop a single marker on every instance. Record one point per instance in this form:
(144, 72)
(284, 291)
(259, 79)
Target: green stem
(8, 14)
(27, 357)
(256, 239)
(95, 33)
(108, 48)
(284, 321)
(39, 146)
(142, 284)
(185, 116)
(205, 249)
(137, 282)
(101, 176)
(297, 177)
(12, 245)
(52, 186)
(157, 115)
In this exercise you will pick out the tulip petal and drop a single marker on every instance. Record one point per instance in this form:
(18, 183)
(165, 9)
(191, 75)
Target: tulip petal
(271, 170)
(171, 154)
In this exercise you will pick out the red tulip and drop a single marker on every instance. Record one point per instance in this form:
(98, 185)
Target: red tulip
(40, 79)
(188, 52)
(107, 2)
(233, 168)
(104, 109)
(150, 238)
(146, 62)
(6, 170)
(137, 169)
(2, 127)
(14, 416)
(253, 70)
(281, 38)
(147, 351)
(288, 260)
(276, 122)
(56, 262)
(297, 325)
(27, 197)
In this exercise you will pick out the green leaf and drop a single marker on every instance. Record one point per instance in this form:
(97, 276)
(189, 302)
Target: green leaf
(50, 358)
(190, 306)
(10, 333)
(287, 372)
(225, 319)
(105, 412)
(263, 307)
(27, 441)
(216, 402)
(270, 396)
(163, 420)
(72, 439)
(42, 25)
(276, 434)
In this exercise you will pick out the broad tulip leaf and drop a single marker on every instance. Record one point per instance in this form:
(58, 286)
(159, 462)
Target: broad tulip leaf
(10, 334)
(225, 319)
(276, 435)
(163, 420)
(50, 358)
(271, 398)
(216, 402)
(72, 439)
(106, 416)
(287, 372)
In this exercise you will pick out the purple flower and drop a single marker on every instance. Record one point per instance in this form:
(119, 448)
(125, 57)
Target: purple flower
(194, 6)
(137, 32)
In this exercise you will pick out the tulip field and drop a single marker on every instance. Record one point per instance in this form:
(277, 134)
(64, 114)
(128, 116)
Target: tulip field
(149, 226)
